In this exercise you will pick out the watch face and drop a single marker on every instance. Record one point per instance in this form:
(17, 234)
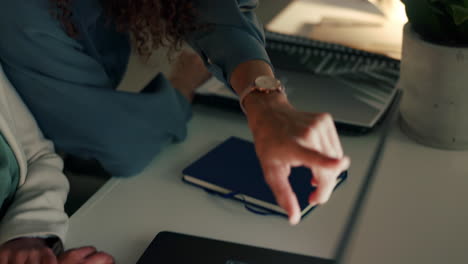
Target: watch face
(267, 82)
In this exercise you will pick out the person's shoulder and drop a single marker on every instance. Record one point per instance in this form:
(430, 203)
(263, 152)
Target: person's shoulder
(29, 25)
(29, 32)
(26, 15)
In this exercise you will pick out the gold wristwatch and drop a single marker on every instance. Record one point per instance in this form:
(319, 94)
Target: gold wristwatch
(263, 84)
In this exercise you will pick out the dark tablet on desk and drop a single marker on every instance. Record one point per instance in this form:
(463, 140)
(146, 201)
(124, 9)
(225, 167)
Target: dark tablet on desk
(174, 248)
(233, 170)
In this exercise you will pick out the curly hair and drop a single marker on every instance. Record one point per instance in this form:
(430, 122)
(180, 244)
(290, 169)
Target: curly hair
(152, 23)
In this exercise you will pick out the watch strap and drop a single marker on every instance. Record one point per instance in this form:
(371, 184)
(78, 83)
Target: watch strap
(255, 88)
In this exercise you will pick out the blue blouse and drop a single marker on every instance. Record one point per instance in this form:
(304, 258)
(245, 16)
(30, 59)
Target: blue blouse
(69, 84)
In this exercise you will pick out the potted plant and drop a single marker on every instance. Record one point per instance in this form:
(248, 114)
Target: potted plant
(434, 73)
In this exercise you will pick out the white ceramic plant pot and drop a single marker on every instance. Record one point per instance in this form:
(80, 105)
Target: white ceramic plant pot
(434, 107)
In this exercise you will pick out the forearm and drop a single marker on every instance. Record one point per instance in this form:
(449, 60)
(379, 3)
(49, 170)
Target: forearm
(245, 74)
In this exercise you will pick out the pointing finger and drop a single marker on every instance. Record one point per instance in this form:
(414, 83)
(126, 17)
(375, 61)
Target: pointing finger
(312, 158)
(325, 185)
(325, 180)
(277, 179)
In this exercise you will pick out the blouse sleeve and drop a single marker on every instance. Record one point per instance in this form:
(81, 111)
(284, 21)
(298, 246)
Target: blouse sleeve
(38, 205)
(74, 103)
(231, 35)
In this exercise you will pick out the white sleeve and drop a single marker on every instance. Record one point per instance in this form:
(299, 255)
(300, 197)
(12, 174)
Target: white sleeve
(38, 206)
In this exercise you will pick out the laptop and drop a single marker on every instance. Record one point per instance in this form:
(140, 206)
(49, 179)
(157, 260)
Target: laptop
(315, 93)
(356, 87)
(175, 248)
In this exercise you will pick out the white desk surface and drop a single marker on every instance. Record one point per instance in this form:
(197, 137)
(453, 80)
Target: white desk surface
(417, 211)
(124, 216)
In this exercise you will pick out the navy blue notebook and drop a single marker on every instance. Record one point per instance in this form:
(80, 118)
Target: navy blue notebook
(233, 169)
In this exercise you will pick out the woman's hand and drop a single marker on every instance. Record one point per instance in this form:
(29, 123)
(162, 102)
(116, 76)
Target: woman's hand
(26, 250)
(286, 138)
(34, 250)
(188, 73)
(85, 255)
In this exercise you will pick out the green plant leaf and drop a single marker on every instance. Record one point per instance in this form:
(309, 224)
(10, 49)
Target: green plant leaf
(425, 18)
(436, 9)
(459, 14)
(440, 21)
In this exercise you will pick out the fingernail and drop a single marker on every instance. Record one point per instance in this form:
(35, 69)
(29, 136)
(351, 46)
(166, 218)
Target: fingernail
(323, 201)
(347, 160)
(294, 220)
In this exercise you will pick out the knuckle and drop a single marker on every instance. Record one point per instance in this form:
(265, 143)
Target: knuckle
(307, 132)
(314, 124)
(73, 254)
(322, 119)
(34, 252)
(22, 252)
(311, 129)
(104, 258)
(21, 255)
(108, 259)
(325, 117)
(46, 251)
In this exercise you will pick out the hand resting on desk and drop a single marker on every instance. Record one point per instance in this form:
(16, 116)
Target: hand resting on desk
(34, 250)
(85, 255)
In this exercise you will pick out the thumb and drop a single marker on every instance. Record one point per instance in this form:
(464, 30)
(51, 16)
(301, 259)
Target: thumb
(277, 179)
(325, 181)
